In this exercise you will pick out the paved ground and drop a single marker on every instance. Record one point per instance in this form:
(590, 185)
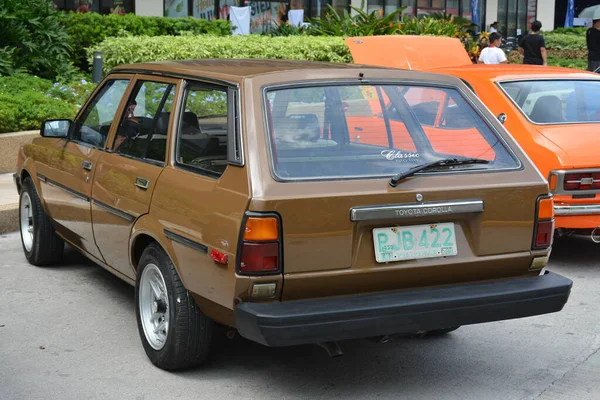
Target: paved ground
(70, 333)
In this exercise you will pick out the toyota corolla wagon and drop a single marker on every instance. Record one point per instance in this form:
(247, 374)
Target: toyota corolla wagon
(282, 200)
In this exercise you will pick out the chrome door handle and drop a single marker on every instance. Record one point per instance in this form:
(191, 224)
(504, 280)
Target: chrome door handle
(142, 183)
(87, 165)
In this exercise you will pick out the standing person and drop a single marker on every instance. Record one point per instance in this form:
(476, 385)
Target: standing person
(494, 27)
(533, 47)
(593, 46)
(493, 54)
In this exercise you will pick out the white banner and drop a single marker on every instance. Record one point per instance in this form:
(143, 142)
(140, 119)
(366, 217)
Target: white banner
(240, 18)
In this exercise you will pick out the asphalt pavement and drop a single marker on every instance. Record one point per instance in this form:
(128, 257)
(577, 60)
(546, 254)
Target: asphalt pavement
(69, 332)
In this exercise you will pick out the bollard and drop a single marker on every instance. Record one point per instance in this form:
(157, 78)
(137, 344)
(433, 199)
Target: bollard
(97, 67)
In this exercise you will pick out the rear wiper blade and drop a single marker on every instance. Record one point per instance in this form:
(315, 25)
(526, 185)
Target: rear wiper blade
(438, 163)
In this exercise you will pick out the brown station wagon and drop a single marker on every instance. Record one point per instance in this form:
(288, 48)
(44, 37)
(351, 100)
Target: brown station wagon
(292, 202)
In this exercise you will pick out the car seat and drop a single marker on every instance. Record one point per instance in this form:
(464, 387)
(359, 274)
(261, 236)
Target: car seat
(547, 109)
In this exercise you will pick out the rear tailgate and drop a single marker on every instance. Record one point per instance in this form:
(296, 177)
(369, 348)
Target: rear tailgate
(329, 245)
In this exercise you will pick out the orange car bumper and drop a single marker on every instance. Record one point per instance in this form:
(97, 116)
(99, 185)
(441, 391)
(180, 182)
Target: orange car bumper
(577, 216)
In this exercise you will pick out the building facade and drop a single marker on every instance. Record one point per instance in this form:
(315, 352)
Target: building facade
(514, 16)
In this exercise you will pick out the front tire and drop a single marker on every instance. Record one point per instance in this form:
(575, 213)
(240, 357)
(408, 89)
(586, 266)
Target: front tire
(41, 244)
(174, 332)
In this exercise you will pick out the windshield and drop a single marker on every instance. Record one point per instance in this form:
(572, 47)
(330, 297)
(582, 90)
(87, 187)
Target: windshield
(556, 101)
(354, 131)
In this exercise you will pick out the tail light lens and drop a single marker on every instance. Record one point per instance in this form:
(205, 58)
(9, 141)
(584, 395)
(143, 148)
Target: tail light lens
(260, 247)
(544, 223)
(582, 181)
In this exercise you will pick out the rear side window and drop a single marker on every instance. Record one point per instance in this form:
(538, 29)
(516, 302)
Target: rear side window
(203, 130)
(353, 131)
(556, 101)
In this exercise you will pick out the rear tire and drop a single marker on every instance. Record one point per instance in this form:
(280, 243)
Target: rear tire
(41, 244)
(174, 332)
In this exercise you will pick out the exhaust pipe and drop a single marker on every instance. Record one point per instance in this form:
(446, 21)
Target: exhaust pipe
(332, 348)
(595, 235)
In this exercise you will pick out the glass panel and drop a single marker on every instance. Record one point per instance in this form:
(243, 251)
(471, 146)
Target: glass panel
(264, 15)
(511, 22)
(352, 131)
(391, 6)
(502, 21)
(452, 7)
(176, 8)
(374, 5)
(95, 122)
(531, 13)
(143, 129)
(205, 9)
(202, 136)
(556, 102)
(521, 17)
(465, 8)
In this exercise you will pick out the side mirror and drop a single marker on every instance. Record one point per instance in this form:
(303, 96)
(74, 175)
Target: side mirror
(502, 118)
(56, 128)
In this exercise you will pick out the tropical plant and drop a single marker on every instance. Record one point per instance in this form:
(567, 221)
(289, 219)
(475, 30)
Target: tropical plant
(33, 39)
(360, 24)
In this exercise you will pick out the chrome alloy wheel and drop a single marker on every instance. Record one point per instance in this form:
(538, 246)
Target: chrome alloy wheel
(26, 221)
(154, 306)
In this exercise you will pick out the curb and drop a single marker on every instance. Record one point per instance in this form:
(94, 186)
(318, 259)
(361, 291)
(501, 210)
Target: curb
(9, 146)
(9, 218)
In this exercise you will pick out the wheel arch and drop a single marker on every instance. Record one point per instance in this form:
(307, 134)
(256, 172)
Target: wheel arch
(144, 232)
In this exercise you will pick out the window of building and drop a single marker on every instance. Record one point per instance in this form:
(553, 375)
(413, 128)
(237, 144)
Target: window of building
(203, 130)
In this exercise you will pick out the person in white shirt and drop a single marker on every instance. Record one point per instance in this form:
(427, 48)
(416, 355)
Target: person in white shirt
(494, 27)
(493, 54)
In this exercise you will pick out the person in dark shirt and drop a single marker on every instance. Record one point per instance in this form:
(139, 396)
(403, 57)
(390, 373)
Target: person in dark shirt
(593, 46)
(533, 47)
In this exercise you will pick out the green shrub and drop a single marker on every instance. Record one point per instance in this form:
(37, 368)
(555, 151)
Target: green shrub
(33, 39)
(26, 101)
(359, 24)
(563, 41)
(571, 31)
(567, 63)
(129, 50)
(88, 29)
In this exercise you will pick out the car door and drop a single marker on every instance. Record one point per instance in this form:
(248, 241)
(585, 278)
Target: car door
(127, 172)
(68, 181)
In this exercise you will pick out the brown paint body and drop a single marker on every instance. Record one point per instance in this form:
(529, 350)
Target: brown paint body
(325, 253)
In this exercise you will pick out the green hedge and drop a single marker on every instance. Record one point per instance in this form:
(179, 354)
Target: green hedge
(26, 101)
(89, 29)
(129, 50)
(571, 31)
(564, 41)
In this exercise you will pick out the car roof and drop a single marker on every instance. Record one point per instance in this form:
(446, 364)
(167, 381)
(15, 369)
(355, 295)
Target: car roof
(236, 70)
(504, 72)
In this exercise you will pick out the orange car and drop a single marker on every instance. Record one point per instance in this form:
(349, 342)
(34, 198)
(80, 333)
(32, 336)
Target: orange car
(553, 113)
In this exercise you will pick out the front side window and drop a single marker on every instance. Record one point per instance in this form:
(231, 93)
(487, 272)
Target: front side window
(353, 131)
(203, 130)
(94, 125)
(142, 132)
(556, 101)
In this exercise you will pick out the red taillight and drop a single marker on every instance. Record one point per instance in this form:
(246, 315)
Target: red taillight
(544, 223)
(259, 257)
(582, 181)
(543, 234)
(260, 251)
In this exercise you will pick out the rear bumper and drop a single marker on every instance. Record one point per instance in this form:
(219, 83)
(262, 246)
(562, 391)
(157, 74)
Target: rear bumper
(592, 209)
(406, 311)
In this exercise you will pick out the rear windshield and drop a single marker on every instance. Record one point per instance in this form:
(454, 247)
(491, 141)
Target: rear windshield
(556, 101)
(358, 131)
